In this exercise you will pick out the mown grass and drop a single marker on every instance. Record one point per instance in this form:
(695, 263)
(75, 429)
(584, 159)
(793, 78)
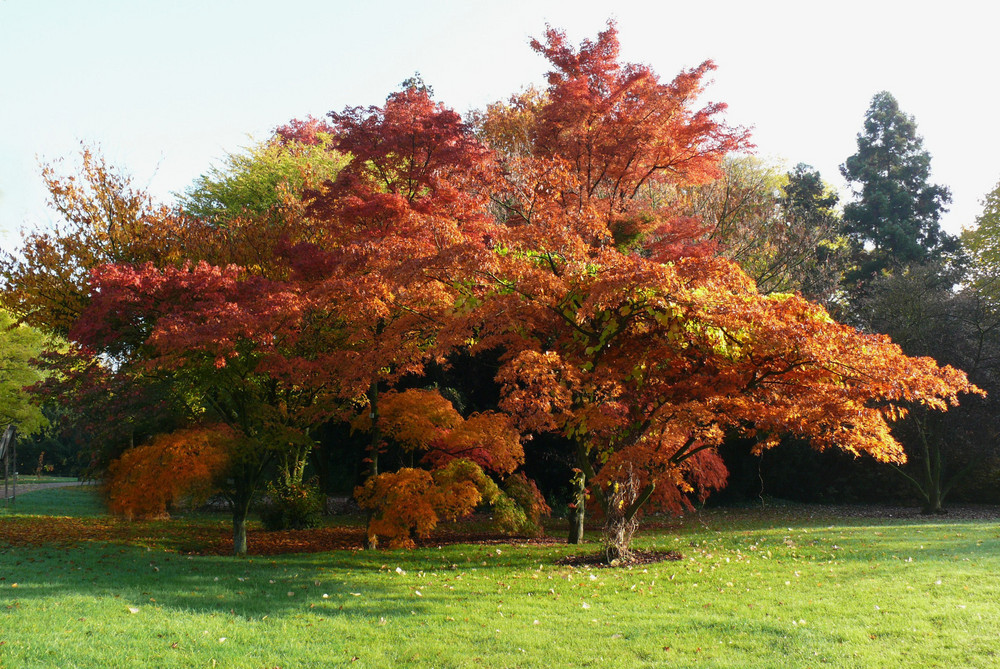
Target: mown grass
(785, 587)
(30, 479)
(76, 501)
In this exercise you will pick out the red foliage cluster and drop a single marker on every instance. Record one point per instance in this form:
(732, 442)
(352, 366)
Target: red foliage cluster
(303, 131)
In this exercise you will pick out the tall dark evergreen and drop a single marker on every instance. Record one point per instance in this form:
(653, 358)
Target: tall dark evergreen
(895, 220)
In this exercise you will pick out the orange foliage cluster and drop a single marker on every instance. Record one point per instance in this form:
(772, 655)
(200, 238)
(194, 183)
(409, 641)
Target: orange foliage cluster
(459, 452)
(147, 480)
(424, 421)
(411, 501)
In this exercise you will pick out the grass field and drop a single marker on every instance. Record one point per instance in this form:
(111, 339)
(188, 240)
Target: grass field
(31, 479)
(786, 586)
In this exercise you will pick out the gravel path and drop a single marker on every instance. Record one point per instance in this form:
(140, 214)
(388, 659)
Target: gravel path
(24, 488)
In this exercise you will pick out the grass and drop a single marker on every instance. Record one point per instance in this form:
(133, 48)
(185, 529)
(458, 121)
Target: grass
(73, 501)
(30, 479)
(780, 587)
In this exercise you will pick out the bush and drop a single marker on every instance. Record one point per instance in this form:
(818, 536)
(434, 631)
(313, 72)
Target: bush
(292, 506)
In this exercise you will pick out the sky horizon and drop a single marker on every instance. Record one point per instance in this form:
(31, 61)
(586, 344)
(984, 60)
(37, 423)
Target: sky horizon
(165, 90)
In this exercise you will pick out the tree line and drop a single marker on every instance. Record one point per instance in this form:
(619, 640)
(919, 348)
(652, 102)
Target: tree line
(584, 297)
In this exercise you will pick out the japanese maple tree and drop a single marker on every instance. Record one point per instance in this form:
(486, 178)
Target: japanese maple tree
(626, 335)
(412, 197)
(236, 345)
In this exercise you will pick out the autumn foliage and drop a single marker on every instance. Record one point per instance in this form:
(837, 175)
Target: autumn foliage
(460, 455)
(149, 480)
(410, 502)
(557, 231)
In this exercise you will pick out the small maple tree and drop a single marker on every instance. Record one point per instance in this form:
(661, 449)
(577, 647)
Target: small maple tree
(149, 479)
(460, 454)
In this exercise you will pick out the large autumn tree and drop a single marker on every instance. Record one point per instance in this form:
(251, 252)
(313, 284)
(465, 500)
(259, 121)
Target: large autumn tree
(625, 333)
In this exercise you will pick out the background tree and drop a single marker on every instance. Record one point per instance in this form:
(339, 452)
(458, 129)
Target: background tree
(982, 243)
(895, 219)
(101, 411)
(104, 218)
(267, 177)
(921, 311)
(781, 227)
(20, 347)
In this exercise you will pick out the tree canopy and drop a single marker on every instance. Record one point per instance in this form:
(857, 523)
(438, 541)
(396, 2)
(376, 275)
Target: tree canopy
(563, 234)
(20, 346)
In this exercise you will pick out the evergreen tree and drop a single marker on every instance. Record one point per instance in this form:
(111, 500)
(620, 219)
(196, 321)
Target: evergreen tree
(895, 220)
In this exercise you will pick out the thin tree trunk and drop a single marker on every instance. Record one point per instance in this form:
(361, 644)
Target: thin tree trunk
(577, 509)
(240, 512)
(374, 444)
(933, 498)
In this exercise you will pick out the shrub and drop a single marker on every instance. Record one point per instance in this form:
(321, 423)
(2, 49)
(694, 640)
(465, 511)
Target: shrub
(292, 506)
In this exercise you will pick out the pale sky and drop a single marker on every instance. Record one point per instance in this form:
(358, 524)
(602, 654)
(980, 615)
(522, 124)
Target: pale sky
(166, 88)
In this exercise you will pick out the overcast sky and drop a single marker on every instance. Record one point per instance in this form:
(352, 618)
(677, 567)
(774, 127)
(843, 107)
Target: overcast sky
(166, 88)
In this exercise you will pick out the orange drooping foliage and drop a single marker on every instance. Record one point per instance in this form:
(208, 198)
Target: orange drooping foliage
(410, 502)
(459, 452)
(149, 479)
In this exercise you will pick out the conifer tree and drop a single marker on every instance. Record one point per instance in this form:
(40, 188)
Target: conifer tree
(895, 220)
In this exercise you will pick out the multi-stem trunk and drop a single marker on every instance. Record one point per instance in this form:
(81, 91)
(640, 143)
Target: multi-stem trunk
(932, 486)
(374, 444)
(577, 507)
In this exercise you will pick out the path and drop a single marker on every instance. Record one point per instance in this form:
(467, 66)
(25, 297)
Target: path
(24, 488)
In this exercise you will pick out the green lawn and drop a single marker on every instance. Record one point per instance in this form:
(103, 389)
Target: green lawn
(782, 587)
(70, 501)
(30, 479)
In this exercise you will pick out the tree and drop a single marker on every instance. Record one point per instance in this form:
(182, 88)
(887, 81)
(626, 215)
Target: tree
(412, 194)
(104, 410)
(152, 478)
(624, 334)
(982, 243)
(920, 309)
(780, 227)
(236, 346)
(620, 131)
(20, 346)
(895, 220)
(456, 451)
(104, 219)
(266, 177)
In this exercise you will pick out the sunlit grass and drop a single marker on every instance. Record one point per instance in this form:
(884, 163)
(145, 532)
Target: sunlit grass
(68, 501)
(792, 587)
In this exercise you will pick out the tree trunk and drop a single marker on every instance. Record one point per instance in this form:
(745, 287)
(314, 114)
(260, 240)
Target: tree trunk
(374, 444)
(240, 513)
(577, 507)
(932, 494)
